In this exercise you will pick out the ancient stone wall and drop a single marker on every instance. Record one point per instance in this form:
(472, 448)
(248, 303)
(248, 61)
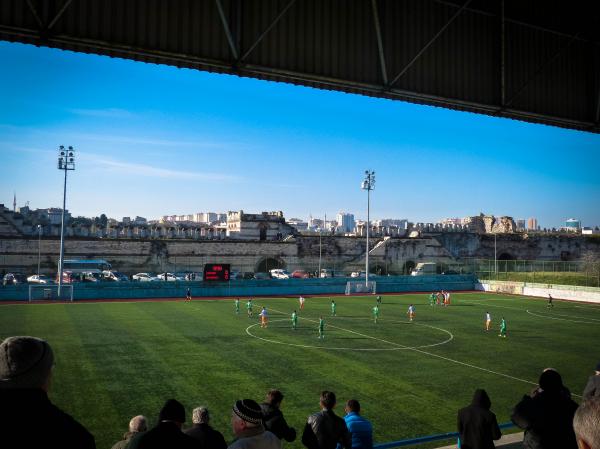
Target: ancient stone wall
(342, 254)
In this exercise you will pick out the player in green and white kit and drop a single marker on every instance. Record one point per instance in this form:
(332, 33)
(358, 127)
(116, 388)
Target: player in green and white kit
(502, 328)
(375, 313)
(333, 306)
(237, 305)
(249, 307)
(432, 299)
(294, 320)
(321, 328)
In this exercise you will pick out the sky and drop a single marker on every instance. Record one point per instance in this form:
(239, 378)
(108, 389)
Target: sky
(155, 140)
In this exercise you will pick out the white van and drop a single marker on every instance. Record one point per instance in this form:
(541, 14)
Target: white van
(278, 273)
(424, 268)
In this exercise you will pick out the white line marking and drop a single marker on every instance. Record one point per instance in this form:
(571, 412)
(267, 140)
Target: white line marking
(398, 347)
(449, 359)
(559, 319)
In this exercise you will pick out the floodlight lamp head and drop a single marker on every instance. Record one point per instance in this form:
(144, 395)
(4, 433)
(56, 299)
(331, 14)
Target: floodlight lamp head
(62, 147)
(70, 147)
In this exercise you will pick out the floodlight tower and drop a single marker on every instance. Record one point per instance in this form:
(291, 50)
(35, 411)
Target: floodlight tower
(66, 162)
(368, 184)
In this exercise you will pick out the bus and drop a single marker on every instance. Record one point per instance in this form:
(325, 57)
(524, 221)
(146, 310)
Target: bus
(86, 265)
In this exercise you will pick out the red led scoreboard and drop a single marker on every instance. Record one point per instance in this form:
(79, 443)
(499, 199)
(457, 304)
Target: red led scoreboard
(216, 272)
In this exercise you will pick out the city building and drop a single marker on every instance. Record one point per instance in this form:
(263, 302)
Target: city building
(587, 230)
(264, 226)
(572, 225)
(345, 222)
(521, 224)
(451, 221)
(532, 224)
(299, 224)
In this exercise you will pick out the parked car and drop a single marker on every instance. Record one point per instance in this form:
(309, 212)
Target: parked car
(279, 273)
(234, 275)
(91, 276)
(168, 277)
(248, 275)
(110, 275)
(300, 274)
(262, 276)
(144, 277)
(14, 278)
(326, 273)
(39, 279)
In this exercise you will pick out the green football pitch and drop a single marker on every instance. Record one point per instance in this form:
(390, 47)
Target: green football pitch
(115, 360)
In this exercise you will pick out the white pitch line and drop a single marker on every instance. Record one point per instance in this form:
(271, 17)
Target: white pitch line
(559, 319)
(441, 357)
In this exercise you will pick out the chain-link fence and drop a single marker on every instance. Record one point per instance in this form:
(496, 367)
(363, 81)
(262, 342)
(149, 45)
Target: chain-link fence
(582, 273)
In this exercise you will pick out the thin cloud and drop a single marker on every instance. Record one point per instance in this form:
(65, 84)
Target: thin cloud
(103, 113)
(156, 172)
(126, 140)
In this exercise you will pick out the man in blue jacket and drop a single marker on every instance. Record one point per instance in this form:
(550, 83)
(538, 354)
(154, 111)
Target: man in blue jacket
(360, 429)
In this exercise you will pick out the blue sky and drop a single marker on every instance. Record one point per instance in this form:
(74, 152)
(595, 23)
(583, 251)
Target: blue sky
(155, 140)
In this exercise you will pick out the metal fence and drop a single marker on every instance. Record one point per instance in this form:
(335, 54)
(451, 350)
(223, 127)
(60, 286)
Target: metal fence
(581, 273)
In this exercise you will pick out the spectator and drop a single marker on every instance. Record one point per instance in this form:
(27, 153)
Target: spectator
(324, 429)
(587, 424)
(203, 432)
(136, 425)
(547, 415)
(360, 429)
(25, 372)
(592, 389)
(273, 418)
(247, 425)
(167, 432)
(477, 425)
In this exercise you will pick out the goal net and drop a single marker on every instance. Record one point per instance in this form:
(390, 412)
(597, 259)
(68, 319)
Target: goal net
(356, 287)
(50, 292)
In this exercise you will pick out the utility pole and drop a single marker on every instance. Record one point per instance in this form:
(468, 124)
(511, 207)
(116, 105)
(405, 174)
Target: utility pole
(66, 162)
(368, 184)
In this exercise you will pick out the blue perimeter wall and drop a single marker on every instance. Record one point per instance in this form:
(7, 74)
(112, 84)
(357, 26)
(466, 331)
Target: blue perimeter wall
(248, 288)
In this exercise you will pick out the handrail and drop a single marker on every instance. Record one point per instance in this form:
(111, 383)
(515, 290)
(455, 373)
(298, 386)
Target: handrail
(428, 438)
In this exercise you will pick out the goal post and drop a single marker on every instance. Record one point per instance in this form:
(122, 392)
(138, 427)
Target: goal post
(46, 292)
(361, 287)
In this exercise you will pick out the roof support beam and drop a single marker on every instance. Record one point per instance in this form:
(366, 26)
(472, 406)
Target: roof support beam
(269, 28)
(379, 43)
(35, 14)
(502, 55)
(59, 14)
(227, 30)
(429, 44)
(540, 70)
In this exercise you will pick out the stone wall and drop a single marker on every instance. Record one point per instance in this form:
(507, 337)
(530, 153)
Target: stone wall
(343, 254)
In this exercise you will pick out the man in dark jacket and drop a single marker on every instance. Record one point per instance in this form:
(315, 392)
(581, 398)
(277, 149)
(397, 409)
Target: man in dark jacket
(25, 371)
(167, 433)
(324, 430)
(273, 418)
(592, 389)
(547, 415)
(477, 425)
(202, 432)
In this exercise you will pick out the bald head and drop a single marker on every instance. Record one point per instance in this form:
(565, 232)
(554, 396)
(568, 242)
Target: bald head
(586, 424)
(138, 423)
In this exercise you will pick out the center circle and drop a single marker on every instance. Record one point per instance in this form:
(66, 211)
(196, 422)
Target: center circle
(399, 347)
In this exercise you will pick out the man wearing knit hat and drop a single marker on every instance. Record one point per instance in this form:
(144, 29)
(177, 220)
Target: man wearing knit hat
(247, 425)
(592, 389)
(25, 371)
(167, 432)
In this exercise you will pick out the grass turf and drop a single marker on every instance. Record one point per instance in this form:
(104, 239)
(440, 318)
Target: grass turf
(117, 360)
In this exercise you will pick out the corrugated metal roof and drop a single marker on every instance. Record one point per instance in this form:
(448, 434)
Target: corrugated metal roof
(522, 59)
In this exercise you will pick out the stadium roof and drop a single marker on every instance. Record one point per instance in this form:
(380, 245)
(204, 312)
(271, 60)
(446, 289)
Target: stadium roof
(537, 61)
